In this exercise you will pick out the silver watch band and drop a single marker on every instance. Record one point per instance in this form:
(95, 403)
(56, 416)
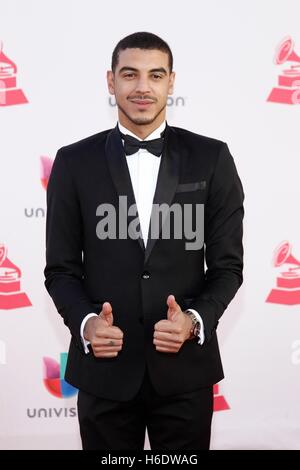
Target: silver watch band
(195, 323)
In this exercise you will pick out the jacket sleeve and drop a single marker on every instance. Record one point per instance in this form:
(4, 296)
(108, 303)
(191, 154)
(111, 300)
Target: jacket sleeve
(223, 232)
(64, 267)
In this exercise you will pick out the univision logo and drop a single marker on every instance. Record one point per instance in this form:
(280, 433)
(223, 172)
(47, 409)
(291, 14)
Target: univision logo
(52, 412)
(46, 164)
(54, 377)
(54, 381)
(171, 101)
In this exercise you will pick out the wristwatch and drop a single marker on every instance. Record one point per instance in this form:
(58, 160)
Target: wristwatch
(195, 330)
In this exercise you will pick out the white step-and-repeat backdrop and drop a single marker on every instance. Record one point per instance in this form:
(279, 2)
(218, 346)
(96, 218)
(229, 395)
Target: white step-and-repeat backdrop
(238, 80)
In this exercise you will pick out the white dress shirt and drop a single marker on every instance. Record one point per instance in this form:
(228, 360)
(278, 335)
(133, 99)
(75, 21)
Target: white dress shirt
(143, 168)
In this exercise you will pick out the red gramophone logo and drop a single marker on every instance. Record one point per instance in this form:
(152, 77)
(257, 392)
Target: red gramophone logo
(10, 288)
(287, 290)
(220, 404)
(46, 164)
(288, 89)
(9, 93)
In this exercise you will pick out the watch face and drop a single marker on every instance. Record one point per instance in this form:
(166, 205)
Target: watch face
(197, 329)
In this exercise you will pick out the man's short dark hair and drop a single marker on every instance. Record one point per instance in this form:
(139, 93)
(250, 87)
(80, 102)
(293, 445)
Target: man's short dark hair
(141, 40)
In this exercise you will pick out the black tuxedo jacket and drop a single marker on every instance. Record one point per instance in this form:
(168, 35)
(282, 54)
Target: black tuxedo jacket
(83, 271)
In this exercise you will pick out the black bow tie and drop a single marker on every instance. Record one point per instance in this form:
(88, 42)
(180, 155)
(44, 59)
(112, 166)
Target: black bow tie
(132, 145)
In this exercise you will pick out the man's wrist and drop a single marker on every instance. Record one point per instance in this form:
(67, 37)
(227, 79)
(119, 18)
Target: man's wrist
(85, 342)
(88, 327)
(193, 323)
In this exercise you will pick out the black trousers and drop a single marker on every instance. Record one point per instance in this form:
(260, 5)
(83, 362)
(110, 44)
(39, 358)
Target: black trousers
(178, 422)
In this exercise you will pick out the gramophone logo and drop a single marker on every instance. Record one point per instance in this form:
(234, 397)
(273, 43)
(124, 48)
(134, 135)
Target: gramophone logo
(9, 93)
(288, 89)
(220, 404)
(10, 289)
(46, 164)
(287, 290)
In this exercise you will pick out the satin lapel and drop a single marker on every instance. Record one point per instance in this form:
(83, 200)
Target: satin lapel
(118, 168)
(167, 180)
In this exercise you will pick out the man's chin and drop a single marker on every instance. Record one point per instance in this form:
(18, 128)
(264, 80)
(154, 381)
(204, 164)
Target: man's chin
(142, 117)
(142, 120)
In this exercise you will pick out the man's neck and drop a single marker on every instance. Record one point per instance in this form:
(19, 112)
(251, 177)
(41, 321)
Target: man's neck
(141, 131)
(156, 134)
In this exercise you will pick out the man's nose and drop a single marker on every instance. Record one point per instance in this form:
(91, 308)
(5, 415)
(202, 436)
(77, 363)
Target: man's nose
(142, 85)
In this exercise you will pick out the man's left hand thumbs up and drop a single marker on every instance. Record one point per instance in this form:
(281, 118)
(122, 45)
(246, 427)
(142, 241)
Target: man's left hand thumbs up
(170, 334)
(174, 309)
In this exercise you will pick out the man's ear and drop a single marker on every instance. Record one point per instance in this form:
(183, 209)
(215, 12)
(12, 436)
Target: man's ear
(171, 83)
(110, 82)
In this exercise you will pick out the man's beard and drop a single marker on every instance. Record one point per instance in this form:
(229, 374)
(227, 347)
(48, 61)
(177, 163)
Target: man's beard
(141, 120)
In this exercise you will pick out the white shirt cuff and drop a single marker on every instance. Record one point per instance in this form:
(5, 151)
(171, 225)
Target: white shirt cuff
(201, 335)
(85, 342)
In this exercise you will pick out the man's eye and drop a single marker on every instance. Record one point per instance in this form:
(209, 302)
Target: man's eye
(129, 75)
(156, 76)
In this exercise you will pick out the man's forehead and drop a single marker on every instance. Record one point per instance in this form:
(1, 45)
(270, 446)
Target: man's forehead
(142, 58)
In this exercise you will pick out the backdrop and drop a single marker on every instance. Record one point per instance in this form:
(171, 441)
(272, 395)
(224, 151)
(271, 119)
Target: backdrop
(238, 80)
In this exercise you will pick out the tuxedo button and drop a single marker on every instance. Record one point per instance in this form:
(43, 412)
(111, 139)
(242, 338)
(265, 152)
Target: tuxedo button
(141, 320)
(146, 275)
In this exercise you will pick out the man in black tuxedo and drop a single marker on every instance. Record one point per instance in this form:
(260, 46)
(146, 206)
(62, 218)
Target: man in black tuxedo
(141, 308)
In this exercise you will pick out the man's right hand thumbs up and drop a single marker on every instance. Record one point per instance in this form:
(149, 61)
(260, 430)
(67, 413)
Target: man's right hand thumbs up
(106, 314)
(106, 340)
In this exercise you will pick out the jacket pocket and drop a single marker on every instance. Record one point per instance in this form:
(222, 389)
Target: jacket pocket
(188, 187)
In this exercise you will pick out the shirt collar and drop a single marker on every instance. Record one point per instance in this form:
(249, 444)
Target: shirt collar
(154, 135)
